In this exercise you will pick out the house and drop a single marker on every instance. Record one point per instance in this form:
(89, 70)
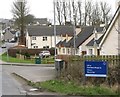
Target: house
(9, 35)
(43, 36)
(77, 45)
(110, 43)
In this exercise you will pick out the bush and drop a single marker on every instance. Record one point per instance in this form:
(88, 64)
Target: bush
(27, 55)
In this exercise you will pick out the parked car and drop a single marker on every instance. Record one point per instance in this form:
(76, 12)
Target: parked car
(44, 54)
(3, 46)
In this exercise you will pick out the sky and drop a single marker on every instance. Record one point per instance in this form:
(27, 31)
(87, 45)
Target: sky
(39, 8)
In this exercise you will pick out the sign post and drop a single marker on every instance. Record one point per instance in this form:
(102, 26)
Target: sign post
(95, 69)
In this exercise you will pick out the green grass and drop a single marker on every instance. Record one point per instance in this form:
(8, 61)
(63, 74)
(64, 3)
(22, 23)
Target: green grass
(49, 60)
(69, 88)
(15, 60)
(4, 57)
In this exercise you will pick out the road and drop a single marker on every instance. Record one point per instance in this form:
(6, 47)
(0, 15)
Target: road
(12, 86)
(8, 45)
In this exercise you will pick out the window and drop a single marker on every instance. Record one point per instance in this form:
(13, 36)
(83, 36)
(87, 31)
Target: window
(33, 38)
(44, 38)
(45, 47)
(63, 50)
(90, 52)
(35, 46)
(68, 51)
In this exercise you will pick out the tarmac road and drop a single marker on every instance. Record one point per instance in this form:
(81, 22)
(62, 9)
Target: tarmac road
(11, 86)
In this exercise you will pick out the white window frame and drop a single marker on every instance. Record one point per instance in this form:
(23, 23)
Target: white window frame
(33, 38)
(45, 38)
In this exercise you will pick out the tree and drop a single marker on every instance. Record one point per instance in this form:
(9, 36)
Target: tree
(105, 11)
(96, 14)
(80, 12)
(59, 11)
(20, 12)
(75, 9)
(65, 11)
(29, 19)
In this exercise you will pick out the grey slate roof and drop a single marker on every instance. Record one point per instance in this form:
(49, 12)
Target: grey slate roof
(91, 43)
(83, 36)
(13, 32)
(61, 43)
(49, 30)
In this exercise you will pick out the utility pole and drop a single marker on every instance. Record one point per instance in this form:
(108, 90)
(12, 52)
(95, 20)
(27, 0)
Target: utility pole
(55, 29)
(95, 42)
(74, 35)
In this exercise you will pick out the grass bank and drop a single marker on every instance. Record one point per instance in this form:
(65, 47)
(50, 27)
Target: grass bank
(70, 88)
(6, 58)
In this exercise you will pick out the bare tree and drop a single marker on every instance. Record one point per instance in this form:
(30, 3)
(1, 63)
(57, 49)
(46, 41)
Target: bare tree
(80, 12)
(75, 10)
(70, 12)
(96, 14)
(59, 11)
(65, 11)
(105, 8)
(20, 11)
(89, 11)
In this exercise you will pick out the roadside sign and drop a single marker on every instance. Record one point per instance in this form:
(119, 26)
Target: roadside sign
(95, 68)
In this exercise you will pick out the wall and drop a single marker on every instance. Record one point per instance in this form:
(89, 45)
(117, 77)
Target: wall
(110, 45)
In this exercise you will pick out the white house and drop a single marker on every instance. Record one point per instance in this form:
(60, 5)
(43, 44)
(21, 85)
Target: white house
(110, 43)
(43, 36)
(82, 39)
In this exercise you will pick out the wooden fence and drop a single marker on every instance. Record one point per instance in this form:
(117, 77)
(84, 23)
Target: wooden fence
(74, 69)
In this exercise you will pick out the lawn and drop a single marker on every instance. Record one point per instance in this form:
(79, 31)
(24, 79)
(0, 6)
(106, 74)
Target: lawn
(6, 58)
(70, 88)
(15, 60)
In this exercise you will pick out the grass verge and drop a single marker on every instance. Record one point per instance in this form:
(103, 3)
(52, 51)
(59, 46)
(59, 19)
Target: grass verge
(15, 60)
(4, 58)
(70, 88)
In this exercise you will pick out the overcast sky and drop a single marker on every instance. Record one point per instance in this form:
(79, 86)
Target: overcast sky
(39, 8)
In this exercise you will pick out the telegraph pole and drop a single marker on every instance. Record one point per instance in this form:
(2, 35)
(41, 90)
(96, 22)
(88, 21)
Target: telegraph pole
(95, 42)
(74, 35)
(54, 29)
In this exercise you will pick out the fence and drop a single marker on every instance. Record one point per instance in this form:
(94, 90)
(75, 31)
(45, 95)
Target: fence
(74, 69)
(13, 51)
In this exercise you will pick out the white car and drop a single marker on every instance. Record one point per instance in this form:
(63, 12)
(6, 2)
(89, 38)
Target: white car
(3, 46)
(44, 54)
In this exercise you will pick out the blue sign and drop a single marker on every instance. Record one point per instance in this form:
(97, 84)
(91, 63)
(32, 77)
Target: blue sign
(95, 68)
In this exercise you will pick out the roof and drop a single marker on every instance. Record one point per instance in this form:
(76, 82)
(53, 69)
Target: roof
(91, 43)
(61, 43)
(117, 13)
(13, 32)
(85, 33)
(99, 29)
(49, 30)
